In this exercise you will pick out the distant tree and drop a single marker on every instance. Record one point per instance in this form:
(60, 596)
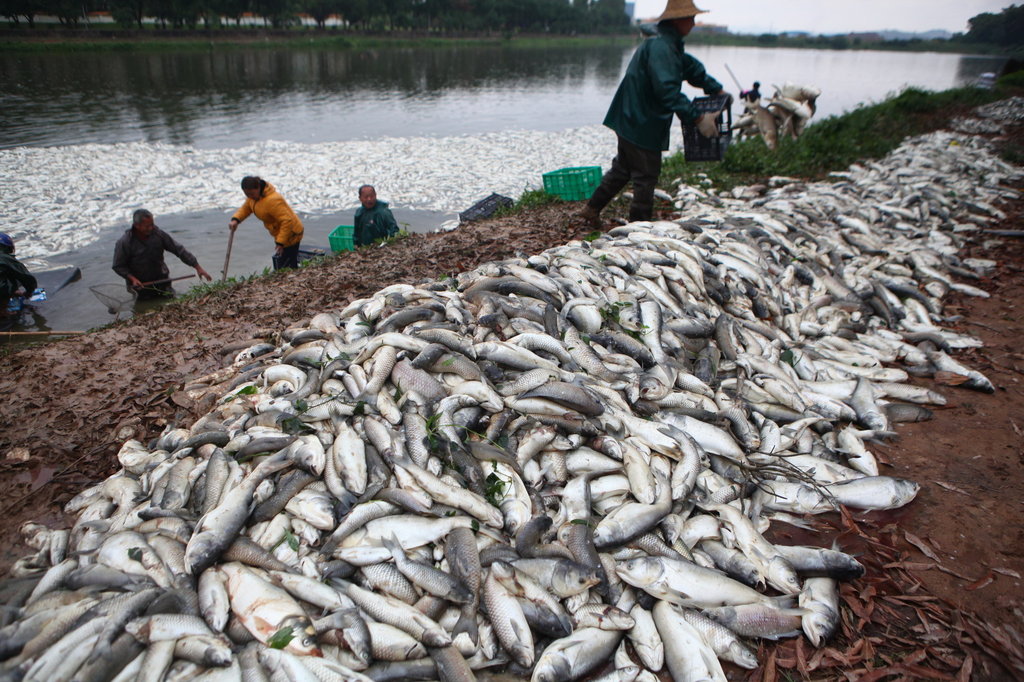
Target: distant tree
(15, 9)
(609, 15)
(232, 9)
(128, 13)
(320, 10)
(279, 13)
(1004, 29)
(68, 12)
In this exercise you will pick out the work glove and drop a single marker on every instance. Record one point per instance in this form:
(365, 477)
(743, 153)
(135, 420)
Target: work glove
(706, 125)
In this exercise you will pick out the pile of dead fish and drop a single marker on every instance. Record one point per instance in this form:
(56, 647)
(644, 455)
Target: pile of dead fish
(549, 466)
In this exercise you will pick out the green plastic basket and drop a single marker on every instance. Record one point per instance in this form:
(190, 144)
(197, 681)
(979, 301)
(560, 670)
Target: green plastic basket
(341, 238)
(573, 184)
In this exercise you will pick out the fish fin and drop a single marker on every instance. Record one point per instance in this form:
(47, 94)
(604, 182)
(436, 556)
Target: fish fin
(520, 635)
(780, 635)
(393, 545)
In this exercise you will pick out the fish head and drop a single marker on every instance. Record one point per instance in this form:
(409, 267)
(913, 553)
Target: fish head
(783, 575)
(308, 453)
(742, 656)
(574, 579)
(304, 642)
(637, 572)
(553, 668)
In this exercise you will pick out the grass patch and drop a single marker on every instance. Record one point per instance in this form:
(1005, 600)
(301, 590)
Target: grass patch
(527, 201)
(834, 143)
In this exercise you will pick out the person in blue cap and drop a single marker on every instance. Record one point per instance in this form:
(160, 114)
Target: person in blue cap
(14, 277)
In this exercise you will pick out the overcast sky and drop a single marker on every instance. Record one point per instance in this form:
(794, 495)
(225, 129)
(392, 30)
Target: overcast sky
(835, 16)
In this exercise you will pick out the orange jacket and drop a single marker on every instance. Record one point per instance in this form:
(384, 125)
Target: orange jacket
(277, 216)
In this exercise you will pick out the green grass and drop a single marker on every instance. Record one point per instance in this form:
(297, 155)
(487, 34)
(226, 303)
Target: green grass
(831, 144)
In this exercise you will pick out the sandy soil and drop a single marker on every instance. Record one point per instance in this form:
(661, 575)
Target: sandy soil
(942, 598)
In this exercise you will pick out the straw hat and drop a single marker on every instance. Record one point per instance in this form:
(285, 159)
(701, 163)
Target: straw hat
(680, 9)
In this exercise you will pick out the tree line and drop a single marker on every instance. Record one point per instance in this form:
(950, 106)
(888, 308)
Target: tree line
(534, 16)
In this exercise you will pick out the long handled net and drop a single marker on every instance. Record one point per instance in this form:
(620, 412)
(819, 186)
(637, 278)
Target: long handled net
(116, 297)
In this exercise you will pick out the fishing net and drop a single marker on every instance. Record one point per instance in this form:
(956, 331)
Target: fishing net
(115, 297)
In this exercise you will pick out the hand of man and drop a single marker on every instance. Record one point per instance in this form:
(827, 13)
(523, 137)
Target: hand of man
(706, 125)
(203, 274)
(232, 224)
(278, 249)
(134, 281)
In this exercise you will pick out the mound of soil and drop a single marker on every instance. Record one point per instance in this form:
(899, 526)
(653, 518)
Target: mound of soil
(942, 598)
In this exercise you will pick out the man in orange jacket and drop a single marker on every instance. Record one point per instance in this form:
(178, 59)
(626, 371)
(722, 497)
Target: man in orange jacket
(278, 217)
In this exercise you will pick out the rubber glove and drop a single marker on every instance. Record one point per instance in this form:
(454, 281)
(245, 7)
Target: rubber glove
(706, 125)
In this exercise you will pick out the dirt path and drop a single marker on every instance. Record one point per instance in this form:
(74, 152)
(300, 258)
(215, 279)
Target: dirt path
(942, 598)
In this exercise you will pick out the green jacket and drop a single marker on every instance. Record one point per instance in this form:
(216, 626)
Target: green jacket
(649, 94)
(12, 275)
(373, 224)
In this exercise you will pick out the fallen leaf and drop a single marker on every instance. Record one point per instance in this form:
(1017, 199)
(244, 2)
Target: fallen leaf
(964, 674)
(1007, 571)
(951, 487)
(950, 378)
(985, 580)
(920, 544)
(911, 565)
(950, 571)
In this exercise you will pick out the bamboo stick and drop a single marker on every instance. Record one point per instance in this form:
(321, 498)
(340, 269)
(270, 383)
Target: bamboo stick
(52, 333)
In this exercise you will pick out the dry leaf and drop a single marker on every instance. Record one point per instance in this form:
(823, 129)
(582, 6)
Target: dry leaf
(1007, 571)
(985, 580)
(964, 674)
(950, 378)
(950, 571)
(920, 544)
(951, 487)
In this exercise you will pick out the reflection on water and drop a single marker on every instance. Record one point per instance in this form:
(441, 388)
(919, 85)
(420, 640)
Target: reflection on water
(234, 97)
(240, 96)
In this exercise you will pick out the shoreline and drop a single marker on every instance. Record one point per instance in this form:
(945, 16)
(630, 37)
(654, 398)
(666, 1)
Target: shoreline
(112, 38)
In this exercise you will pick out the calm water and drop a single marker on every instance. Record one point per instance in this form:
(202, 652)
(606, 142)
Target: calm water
(218, 100)
(221, 99)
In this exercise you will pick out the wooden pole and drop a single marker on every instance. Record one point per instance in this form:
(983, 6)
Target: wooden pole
(26, 334)
(170, 279)
(227, 256)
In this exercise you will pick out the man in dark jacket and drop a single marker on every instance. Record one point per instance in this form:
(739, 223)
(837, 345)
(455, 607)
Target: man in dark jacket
(139, 257)
(373, 219)
(13, 275)
(642, 110)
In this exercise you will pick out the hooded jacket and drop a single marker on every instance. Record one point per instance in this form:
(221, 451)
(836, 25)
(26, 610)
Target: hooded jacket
(277, 216)
(373, 223)
(649, 95)
(13, 274)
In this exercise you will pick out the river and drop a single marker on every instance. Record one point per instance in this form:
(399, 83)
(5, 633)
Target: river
(88, 137)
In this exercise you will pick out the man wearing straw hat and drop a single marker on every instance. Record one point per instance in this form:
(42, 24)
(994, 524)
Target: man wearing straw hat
(641, 112)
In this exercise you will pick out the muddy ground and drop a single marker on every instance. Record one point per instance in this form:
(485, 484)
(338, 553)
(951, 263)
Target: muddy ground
(942, 598)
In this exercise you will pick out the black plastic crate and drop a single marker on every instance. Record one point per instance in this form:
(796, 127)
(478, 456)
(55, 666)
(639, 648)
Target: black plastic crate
(696, 147)
(485, 208)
